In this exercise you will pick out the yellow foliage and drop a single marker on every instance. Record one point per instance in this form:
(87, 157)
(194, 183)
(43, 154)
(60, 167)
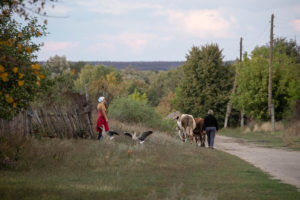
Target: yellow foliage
(21, 75)
(15, 70)
(28, 49)
(42, 76)
(38, 34)
(3, 76)
(0, 93)
(73, 72)
(165, 106)
(36, 66)
(8, 98)
(20, 83)
(32, 29)
(1, 68)
(111, 78)
(14, 104)
(20, 34)
(19, 47)
(10, 42)
(38, 83)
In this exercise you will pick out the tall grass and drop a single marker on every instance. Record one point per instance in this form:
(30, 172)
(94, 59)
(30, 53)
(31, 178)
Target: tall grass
(162, 168)
(125, 109)
(287, 139)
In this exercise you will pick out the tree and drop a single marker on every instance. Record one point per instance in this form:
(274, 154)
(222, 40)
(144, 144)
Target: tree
(164, 83)
(165, 106)
(101, 81)
(57, 65)
(21, 77)
(251, 96)
(76, 67)
(136, 96)
(88, 74)
(206, 83)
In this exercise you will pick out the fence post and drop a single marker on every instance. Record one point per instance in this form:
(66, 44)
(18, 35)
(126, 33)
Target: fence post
(242, 119)
(273, 117)
(87, 110)
(29, 114)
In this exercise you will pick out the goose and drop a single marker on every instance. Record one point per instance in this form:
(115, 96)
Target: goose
(111, 134)
(140, 138)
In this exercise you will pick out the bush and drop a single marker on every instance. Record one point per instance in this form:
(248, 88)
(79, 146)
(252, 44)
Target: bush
(127, 110)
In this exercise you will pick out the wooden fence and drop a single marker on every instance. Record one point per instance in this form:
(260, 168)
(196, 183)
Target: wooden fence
(50, 123)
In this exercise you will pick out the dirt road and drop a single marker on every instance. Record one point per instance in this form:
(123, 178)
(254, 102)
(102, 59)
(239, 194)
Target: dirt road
(281, 164)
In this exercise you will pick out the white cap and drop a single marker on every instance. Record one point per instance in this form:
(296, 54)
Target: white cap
(100, 99)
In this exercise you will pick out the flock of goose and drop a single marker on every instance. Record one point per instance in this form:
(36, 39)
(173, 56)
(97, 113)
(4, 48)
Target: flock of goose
(140, 139)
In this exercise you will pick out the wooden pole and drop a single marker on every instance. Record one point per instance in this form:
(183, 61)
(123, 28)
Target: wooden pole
(270, 68)
(229, 105)
(241, 50)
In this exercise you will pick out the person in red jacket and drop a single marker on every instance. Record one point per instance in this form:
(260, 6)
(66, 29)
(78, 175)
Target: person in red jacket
(210, 127)
(102, 121)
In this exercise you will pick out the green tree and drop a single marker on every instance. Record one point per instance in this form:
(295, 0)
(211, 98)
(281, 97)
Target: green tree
(206, 83)
(57, 65)
(137, 96)
(76, 67)
(21, 77)
(90, 73)
(101, 80)
(164, 82)
(252, 91)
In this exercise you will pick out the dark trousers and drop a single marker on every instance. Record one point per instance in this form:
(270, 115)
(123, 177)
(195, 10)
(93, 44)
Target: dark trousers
(210, 132)
(100, 133)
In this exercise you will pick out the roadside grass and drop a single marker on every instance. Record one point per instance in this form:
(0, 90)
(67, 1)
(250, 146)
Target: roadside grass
(277, 139)
(162, 168)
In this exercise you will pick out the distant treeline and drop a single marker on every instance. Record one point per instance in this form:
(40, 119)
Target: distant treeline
(139, 65)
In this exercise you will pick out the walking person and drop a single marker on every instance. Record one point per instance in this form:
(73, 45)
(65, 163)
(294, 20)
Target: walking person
(210, 127)
(102, 121)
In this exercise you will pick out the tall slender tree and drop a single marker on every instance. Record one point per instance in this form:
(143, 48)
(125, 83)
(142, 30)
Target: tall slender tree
(206, 83)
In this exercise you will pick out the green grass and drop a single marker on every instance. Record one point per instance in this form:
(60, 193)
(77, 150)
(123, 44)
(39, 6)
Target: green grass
(162, 168)
(265, 139)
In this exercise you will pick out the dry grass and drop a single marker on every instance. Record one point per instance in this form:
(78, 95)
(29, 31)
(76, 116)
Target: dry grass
(285, 136)
(292, 134)
(162, 168)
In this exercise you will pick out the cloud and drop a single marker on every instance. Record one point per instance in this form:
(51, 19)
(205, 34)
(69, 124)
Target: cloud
(53, 46)
(296, 24)
(58, 10)
(115, 7)
(201, 23)
(134, 43)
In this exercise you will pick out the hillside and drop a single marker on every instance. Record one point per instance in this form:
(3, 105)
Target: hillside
(140, 65)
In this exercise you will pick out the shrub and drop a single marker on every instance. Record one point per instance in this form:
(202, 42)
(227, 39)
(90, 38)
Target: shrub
(127, 110)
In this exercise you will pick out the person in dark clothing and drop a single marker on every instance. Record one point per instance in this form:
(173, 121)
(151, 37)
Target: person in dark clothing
(210, 127)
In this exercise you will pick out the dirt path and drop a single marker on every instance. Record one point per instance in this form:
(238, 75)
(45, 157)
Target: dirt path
(281, 164)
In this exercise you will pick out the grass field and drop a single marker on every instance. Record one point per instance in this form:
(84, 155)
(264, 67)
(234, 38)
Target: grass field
(162, 168)
(277, 139)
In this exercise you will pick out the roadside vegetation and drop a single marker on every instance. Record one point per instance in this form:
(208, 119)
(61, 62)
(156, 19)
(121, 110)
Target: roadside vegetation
(162, 168)
(277, 139)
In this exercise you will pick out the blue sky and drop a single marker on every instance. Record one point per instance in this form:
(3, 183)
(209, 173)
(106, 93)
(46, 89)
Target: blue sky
(163, 30)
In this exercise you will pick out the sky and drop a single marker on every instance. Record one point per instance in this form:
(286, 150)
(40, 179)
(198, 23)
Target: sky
(163, 30)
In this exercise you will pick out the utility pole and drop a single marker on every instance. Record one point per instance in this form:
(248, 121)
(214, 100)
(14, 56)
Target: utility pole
(241, 50)
(229, 105)
(271, 113)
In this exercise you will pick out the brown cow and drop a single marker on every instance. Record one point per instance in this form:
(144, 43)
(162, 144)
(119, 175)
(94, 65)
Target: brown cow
(185, 125)
(199, 134)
